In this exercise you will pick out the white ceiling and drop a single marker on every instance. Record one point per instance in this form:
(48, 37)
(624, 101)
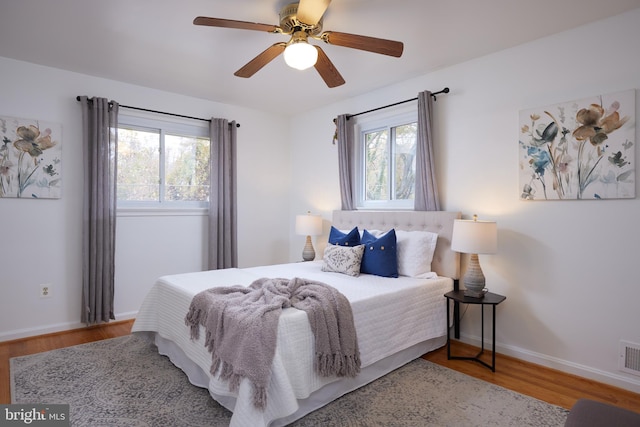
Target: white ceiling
(153, 43)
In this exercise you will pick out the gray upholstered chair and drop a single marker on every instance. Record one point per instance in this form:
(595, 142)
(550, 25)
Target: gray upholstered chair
(589, 413)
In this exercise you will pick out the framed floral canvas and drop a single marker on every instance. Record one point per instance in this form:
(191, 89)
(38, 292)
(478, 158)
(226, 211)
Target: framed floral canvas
(579, 150)
(30, 158)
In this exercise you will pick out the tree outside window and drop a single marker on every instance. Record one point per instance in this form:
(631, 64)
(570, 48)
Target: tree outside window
(158, 167)
(389, 163)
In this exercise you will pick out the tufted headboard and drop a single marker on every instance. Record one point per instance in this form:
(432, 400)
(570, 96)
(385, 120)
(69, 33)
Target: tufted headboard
(445, 261)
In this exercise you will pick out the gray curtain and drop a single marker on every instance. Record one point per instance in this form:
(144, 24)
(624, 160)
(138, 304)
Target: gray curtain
(100, 144)
(223, 235)
(345, 162)
(426, 196)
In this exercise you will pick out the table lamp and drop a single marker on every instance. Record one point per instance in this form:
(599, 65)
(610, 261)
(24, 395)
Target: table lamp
(474, 237)
(308, 225)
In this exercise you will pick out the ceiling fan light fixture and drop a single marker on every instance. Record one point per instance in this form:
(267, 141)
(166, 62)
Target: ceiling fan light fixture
(301, 20)
(300, 55)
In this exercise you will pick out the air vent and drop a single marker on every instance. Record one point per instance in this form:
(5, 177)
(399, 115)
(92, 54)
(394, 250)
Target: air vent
(630, 357)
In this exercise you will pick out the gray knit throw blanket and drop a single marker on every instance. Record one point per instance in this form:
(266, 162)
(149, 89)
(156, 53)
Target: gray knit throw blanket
(241, 326)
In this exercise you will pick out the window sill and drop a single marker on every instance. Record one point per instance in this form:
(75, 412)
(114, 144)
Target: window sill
(149, 211)
(385, 208)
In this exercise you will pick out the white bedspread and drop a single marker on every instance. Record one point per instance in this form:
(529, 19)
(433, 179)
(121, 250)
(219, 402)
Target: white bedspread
(389, 315)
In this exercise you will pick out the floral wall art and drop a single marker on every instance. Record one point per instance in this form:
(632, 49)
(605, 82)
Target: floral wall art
(30, 158)
(579, 150)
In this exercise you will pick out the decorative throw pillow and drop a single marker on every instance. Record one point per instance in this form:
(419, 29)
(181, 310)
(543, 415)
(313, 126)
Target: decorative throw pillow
(343, 259)
(415, 252)
(380, 254)
(337, 237)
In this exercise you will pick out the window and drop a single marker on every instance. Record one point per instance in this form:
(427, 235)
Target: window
(386, 160)
(162, 164)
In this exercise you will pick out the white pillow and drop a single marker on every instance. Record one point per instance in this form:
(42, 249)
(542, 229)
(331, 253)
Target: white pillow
(343, 259)
(374, 233)
(415, 252)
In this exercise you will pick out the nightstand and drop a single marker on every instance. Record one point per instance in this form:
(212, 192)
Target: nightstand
(488, 299)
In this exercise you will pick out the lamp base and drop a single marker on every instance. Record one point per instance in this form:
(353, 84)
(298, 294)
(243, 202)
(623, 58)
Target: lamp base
(474, 279)
(474, 294)
(308, 254)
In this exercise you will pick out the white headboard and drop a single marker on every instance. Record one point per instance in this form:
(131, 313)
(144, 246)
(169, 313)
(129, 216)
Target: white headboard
(445, 261)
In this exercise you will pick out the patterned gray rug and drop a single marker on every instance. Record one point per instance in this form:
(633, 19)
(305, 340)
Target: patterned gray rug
(124, 382)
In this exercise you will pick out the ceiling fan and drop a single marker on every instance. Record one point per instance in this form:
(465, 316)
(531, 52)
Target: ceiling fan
(302, 21)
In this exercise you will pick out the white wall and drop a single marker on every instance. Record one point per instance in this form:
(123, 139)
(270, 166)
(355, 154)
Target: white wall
(566, 267)
(41, 239)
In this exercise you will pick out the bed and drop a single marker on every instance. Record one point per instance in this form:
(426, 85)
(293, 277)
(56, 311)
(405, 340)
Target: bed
(397, 320)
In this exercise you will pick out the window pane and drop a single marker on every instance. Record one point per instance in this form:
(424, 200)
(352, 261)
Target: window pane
(405, 161)
(138, 165)
(376, 165)
(186, 168)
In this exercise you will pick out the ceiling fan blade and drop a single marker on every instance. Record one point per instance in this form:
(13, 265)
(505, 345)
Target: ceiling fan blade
(310, 11)
(327, 70)
(261, 60)
(230, 23)
(370, 44)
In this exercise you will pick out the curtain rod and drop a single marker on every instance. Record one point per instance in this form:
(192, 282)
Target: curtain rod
(445, 90)
(162, 112)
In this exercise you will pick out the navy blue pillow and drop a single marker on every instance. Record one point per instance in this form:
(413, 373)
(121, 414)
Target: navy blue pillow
(380, 254)
(337, 237)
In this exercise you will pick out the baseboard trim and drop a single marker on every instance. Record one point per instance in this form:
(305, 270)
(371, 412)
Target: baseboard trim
(58, 327)
(611, 378)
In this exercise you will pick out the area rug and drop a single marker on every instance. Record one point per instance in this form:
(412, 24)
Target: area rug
(124, 382)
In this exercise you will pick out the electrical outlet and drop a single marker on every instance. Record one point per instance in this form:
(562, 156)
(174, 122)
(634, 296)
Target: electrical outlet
(45, 290)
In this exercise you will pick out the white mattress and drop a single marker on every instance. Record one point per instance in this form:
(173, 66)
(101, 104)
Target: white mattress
(390, 315)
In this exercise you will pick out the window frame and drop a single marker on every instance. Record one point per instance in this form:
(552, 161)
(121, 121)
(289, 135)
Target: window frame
(387, 119)
(163, 127)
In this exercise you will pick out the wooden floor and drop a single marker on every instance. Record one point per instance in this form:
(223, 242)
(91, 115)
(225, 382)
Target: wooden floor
(542, 383)
(549, 385)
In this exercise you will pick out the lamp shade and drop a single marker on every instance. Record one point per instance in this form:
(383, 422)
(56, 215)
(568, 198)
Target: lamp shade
(309, 225)
(474, 237)
(300, 55)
